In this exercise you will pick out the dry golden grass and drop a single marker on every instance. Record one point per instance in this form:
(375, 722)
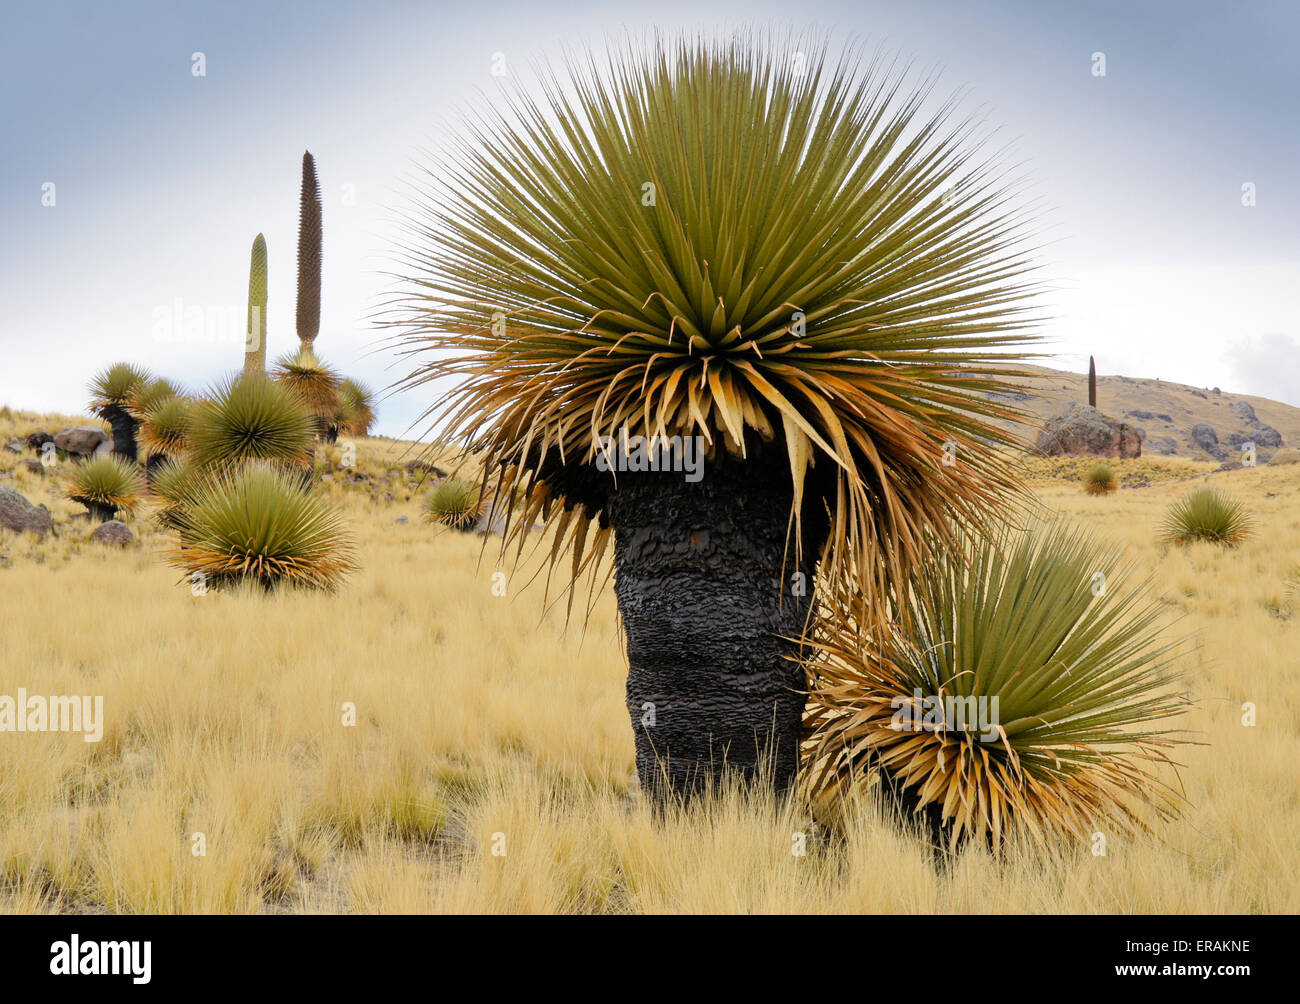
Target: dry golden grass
(482, 726)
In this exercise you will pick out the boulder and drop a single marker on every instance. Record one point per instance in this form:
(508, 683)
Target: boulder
(16, 513)
(1147, 416)
(14, 446)
(1163, 445)
(1204, 436)
(492, 520)
(82, 440)
(113, 532)
(38, 439)
(32, 466)
(1267, 437)
(1083, 431)
(1246, 412)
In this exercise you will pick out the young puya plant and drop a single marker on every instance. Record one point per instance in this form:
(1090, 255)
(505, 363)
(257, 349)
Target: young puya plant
(105, 486)
(164, 414)
(454, 503)
(257, 524)
(356, 411)
(1021, 686)
(805, 273)
(250, 418)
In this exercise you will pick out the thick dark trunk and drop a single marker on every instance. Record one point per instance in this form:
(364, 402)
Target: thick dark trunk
(124, 429)
(155, 463)
(709, 597)
(101, 513)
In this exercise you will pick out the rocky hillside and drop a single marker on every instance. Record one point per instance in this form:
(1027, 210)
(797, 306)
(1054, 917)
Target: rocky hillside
(1172, 418)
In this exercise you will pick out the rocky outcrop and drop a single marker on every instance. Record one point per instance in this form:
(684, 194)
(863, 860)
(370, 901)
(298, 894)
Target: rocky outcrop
(82, 440)
(1083, 431)
(1204, 436)
(1265, 437)
(17, 514)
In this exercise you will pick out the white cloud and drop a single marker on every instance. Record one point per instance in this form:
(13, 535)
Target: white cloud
(1267, 365)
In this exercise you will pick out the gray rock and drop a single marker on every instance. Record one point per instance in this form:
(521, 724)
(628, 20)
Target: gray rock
(403, 519)
(492, 520)
(1083, 431)
(1244, 409)
(16, 513)
(113, 532)
(14, 446)
(1207, 439)
(1163, 445)
(1265, 437)
(1147, 416)
(38, 439)
(32, 466)
(81, 440)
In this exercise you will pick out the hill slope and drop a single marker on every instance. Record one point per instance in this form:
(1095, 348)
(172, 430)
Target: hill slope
(1166, 412)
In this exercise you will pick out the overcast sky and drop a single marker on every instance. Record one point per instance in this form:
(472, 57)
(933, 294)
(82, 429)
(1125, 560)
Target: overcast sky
(162, 178)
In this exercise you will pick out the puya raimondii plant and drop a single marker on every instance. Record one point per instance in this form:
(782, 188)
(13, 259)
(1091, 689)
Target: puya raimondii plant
(112, 393)
(801, 268)
(303, 371)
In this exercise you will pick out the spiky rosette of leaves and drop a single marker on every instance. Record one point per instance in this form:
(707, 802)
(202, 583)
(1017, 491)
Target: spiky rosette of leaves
(454, 503)
(105, 485)
(150, 394)
(116, 387)
(250, 417)
(356, 411)
(690, 239)
(260, 524)
(170, 486)
(314, 382)
(1020, 697)
(1209, 515)
(1100, 479)
(166, 425)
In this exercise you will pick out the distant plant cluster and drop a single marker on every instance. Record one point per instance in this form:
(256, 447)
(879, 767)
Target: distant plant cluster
(230, 470)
